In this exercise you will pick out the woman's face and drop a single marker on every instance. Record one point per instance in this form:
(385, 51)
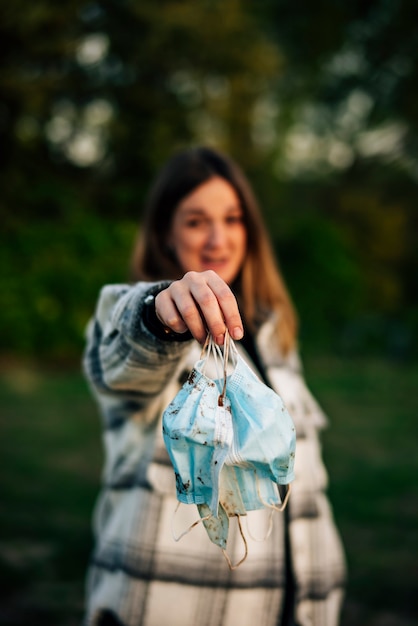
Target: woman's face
(208, 230)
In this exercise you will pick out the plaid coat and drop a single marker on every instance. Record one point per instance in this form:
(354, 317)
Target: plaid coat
(138, 574)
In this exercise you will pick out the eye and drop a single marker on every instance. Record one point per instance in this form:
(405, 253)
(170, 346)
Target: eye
(236, 218)
(194, 222)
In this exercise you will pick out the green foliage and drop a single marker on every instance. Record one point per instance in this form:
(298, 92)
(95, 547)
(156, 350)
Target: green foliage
(316, 102)
(54, 271)
(323, 277)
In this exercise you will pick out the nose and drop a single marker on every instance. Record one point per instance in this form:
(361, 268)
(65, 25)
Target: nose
(216, 235)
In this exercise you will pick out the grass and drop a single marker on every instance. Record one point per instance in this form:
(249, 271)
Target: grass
(370, 453)
(51, 456)
(51, 461)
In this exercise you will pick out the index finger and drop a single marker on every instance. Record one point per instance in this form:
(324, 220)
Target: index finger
(228, 305)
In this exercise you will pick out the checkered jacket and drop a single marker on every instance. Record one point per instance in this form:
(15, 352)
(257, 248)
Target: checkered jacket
(140, 576)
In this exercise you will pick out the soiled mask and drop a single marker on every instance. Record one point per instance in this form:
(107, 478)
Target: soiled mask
(231, 441)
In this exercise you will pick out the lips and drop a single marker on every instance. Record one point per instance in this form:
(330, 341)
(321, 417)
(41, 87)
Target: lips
(218, 259)
(214, 262)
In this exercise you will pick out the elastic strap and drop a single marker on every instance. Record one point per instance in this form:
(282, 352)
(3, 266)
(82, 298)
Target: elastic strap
(205, 345)
(273, 508)
(211, 348)
(225, 363)
(269, 529)
(185, 532)
(229, 349)
(267, 504)
(226, 555)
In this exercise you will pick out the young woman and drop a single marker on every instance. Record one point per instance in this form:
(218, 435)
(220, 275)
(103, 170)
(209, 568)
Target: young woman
(203, 262)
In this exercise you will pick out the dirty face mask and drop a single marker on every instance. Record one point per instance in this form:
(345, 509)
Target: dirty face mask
(230, 439)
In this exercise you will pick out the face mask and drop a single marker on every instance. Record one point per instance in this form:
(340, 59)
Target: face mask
(231, 441)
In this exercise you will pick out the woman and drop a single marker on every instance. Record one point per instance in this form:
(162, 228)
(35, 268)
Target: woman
(202, 263)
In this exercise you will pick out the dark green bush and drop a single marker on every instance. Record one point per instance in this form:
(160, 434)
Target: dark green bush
(52, 271)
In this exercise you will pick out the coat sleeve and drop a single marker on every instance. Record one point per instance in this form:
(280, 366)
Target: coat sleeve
(123, 360)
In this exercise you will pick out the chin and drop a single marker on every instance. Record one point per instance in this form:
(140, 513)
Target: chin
(228, 278)
(226, 274)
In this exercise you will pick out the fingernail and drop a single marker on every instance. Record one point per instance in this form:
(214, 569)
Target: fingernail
(237, 333)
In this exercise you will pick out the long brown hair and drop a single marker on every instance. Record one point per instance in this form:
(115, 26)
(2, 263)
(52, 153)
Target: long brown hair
(260, 287)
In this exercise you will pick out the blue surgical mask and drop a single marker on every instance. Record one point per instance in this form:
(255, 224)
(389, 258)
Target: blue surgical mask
(231, 441)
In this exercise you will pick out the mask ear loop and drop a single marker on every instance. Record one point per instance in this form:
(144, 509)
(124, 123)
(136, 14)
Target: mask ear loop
(205, 345)
(268, 532)
(210, 348)
(273, 506)
(205, 353)
(185, 532)
(229, 351)
(226, 555)
(225, 357)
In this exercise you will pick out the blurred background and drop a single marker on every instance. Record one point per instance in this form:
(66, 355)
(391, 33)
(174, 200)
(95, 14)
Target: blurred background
(318, 102)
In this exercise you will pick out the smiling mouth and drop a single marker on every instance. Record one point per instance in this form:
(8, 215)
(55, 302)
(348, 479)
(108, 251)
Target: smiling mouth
(215, 264)
(215, 261)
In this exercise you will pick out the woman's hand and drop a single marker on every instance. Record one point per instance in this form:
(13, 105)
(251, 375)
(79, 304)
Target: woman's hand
(200, 302)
